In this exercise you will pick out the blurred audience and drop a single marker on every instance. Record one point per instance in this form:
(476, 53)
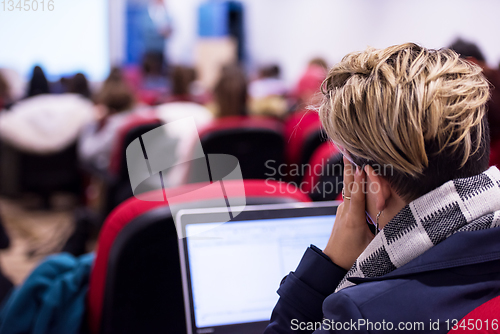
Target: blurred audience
(38, 84)
(152, 72)
(182, 79)
(230, 92)
(115, 102)
(46, 123)
(79, 85)
(182, 104)
(268, 93)
(17, 86)
(307, 91)
(472, 53)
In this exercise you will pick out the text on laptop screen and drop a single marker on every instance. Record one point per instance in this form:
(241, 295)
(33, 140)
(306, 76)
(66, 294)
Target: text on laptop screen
(236, 267)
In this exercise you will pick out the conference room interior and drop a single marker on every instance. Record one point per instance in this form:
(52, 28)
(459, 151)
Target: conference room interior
(238, 81)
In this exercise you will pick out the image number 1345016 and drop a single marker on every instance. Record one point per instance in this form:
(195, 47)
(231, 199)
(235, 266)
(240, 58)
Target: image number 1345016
(27, 5)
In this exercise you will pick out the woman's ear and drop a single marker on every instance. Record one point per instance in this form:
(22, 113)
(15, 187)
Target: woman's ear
(378, 187)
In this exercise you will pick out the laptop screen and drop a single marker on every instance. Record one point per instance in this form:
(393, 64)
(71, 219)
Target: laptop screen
(235, 268)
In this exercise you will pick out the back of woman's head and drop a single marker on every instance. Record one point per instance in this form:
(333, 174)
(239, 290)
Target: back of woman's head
(38, 83)
(78, 84)
(182, 78)
(115, 75)
(116, 96)
(230, 92)
(414, 113)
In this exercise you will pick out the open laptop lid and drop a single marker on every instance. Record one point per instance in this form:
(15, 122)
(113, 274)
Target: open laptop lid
(231, 271)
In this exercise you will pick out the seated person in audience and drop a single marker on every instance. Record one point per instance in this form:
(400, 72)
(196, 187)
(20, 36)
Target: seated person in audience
(47, 123)
(15, 83)
(153, 77)
(78, 84)
(180, 106)
(412, 127)
(307, 92)
(267, 93)
(114, 103)
(230, 92)
(182, 79)
(471, 52)
(38, 83)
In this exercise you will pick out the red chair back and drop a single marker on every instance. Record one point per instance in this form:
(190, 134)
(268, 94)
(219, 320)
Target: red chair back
(483, 319)
(118, 152)
(303, 133)
(254, 141)
(323, 179)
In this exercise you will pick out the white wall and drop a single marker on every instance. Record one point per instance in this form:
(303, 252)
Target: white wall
(72, 37)
(291, 32)
(117, 31)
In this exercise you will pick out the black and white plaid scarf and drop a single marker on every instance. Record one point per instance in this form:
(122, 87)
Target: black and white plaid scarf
(467, 204)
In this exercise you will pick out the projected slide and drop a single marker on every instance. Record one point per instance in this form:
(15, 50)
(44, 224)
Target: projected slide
(63, 36)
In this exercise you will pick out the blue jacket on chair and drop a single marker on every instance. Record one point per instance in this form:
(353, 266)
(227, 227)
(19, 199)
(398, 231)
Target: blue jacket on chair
(429, 294)
(51, 300)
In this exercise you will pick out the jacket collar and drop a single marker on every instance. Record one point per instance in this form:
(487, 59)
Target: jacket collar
(460, 249)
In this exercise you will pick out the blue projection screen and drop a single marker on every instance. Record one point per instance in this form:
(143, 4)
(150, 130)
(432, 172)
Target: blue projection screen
(63, 36)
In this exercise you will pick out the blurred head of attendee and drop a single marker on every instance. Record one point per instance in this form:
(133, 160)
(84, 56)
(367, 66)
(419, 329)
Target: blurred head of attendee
(270, 71)
(4, 92)
(115, 75)
(115, 96)
(468, 50)
(78, 84)
(471, 52)
(267, 93)
(152, 63)
(182, 77)
(268, 83)
(307, 91)
(230, 92)
(38, 83)
(319, 62)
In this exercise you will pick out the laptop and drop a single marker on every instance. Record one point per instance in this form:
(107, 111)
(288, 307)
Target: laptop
(231, 271)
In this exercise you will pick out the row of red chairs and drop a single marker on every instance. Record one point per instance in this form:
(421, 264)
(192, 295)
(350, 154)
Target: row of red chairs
(261, 145)
(135, 284)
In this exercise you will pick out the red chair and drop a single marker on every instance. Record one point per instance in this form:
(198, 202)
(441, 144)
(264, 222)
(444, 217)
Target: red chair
(483, 319)
(495, 153)
(118, 162)
(135, 284)
(257, 142)
(303, 134)
(324, 174)
(118, 183)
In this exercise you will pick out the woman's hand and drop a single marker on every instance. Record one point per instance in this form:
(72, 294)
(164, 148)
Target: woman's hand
(350, 234)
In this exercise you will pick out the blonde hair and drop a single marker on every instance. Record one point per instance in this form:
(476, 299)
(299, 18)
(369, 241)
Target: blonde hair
(387, 105)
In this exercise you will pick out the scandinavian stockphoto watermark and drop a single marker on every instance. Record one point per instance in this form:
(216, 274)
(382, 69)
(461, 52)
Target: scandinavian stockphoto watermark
(159, 157)
(324, 177)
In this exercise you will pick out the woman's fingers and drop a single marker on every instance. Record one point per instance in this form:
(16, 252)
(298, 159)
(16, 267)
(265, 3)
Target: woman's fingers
(348, 177)
(358, 194)
(350, 234)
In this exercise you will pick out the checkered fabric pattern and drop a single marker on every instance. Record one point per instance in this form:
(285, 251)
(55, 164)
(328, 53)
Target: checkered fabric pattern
(467, 204)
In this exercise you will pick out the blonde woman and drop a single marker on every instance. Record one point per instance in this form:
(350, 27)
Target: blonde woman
(411, 124)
